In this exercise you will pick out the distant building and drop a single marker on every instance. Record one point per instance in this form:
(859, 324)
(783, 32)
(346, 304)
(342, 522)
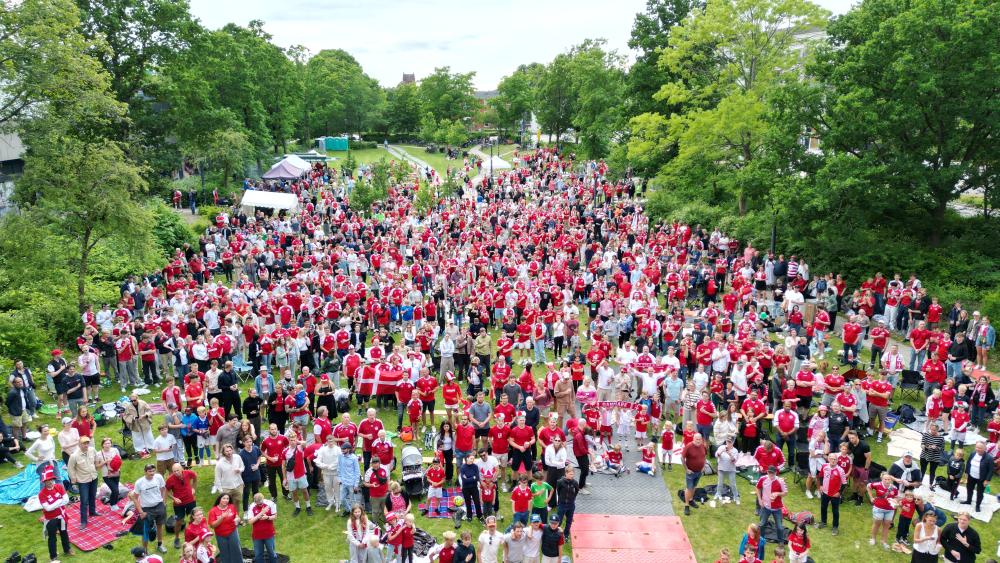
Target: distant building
(409, 78)
(11, 166)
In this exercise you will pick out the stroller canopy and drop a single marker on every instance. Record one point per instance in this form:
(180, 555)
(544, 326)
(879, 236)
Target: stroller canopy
(411, 456)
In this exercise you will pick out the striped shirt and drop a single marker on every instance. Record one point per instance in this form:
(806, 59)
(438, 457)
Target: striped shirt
(931, 447)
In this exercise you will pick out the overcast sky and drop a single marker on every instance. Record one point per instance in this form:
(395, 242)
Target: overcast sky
(390, 37)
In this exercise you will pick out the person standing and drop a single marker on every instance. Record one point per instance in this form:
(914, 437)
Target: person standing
(251, 457)
(181, 484)
(328, 461)
(273, 447)
(566, 491)
(109, 462)
(224, 519)
(53, 499)
(770, 490)
(82, 469)
(552, 541)
(832, 478)
(490, 542)
(979, 472)
(18, 401)
(925, 539)
(296, 476)
(149, 496)
(556, 459)
(261, 516)
(959, 541)
(349, 469)
(138, 418)
(693, 458)
(229, 474)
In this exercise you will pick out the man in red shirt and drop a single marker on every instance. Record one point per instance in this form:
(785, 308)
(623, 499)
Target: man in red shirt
(767, 455)
(880, 337)
(521, 439)
(831, 479)
(273, 447)
(404, 392)
(368, 430)
(499, 436)
(345, 433)
(262, 516)
(879, 393)
(181, 485)
(850, 333)
(426, 387)
(919, 338)
(935, 373)
(294, 458)
(693, 458)
(770, 490)
(786, 426)
(376, 482)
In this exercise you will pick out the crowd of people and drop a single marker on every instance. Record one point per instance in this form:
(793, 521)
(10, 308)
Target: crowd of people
(555, 326)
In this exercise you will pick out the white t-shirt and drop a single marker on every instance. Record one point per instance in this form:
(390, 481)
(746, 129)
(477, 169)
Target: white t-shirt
(490, 546)
(149, 490)
(164, 443)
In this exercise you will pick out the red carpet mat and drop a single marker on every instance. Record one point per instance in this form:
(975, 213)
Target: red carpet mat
(101, 530)
(604, 538)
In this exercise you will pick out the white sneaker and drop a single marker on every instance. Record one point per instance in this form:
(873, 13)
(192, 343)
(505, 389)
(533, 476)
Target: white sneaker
(809, 494)
(328, 507)
(871, 541)
(737, 501)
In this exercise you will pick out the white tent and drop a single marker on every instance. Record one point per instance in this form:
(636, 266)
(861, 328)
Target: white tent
(297, 161)
(497, 162)
(271, 200)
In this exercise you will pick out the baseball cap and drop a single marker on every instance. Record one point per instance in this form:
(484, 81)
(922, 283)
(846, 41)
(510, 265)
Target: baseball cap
(908, 454)
(554, 518)
(536, 518)
(66, 420)
(772, 469)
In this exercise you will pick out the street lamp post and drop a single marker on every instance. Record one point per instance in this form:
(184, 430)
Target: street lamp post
(491, 159)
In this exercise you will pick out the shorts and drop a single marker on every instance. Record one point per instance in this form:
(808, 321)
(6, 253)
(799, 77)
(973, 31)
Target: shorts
(522, 345)
(881, 514)
(428, 406)
(300, 484)
(235, 494)
(434, 492)
(184, 510)
(92, 380)
(501, 459)
(482, 432)
(164, 465)
(814, 465)
(640, 433)
(156, 514)
(448, 407)
(874, 410)
(691, 479)
(859, 474)
(20, 420)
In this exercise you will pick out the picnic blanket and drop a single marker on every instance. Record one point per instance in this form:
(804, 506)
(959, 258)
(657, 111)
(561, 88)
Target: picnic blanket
(447, 500)
(17, 489)
(907, 439)
(158, 408)
(101, 530)
(939, 498)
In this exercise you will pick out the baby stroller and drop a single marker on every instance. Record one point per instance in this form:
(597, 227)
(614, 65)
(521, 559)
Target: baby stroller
(412, 462)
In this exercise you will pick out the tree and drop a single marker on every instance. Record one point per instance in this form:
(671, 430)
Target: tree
(910, 99)
(728, 59)
(402, 111)
(650, 35)
(515, 97)
(226, 149)
(83, 191)
(556, 99)
(44, 58)
(446, 95)
(598, 82)
(339, 96)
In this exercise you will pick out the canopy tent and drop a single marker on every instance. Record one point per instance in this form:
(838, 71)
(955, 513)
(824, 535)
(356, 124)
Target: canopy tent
(270, 200)
(497, 162)
(288, 168)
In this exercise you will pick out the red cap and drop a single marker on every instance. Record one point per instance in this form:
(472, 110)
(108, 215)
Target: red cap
(49, 474)
(57, 352)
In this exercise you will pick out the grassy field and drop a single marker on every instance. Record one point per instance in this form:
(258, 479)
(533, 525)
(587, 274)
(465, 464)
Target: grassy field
(363, 156)
(437, 160)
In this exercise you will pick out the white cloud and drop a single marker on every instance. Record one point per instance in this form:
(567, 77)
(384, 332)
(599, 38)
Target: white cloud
(390, 37)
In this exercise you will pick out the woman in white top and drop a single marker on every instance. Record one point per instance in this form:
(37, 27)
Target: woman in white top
(359, 528)
(926, 539)
(43, 451)
(726, 425)
(199, 351)
(819, 448)
(558, 336)
(69, 439)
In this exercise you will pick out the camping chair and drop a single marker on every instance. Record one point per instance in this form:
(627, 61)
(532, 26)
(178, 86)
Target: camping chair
(912, 383)
(801, 468)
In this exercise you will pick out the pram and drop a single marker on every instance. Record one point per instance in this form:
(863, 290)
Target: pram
(412, 462)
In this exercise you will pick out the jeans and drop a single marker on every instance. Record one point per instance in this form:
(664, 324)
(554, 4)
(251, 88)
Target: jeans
(540, 351)
(780, 441)
(917, 359)
(88, 500)
(954, 369)
(55, 531)
(566, 511)
(725, 476)
(832, 502)
(112, 483)
(263, 551)
(774, 514)
(977, 485)
(850, 350)
(460, 456)
(347, 498)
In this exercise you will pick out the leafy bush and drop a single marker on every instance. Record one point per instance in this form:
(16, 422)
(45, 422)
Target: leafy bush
(362, 145)
(169, 229)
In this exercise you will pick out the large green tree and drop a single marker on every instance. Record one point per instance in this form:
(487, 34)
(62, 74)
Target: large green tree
(403, 110)
(515, 97)
(728, 58)
(556, 97)
(448, 95)
(911, 99)
(339, 96)
(650, 35)
(599, 85)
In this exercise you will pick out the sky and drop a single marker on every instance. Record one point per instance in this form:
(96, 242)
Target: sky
(390, 37)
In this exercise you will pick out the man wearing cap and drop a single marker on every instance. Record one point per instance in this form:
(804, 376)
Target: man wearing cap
(880, 338)
(149, 495)
(552, 541)
(53, 499)
(770, 490)
(138, 418)
(55, 371)
(82, 469)
(905, 473)
(490, 542)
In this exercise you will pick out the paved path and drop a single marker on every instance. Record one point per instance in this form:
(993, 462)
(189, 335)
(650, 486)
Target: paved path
(635, 493)
(404, 155)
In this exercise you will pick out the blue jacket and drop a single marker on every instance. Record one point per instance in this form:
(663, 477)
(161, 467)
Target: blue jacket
(349, 470)
(760, 546)
(257, 386)
(988, 339)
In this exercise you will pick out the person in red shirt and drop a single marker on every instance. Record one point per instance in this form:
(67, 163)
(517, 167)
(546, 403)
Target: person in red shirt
(294, 459)
(521, 440)
(798, 543)
(919, 338)
(465, 440)
(181, 484)
(767, 454)
(435, 485)
(770, 490)
(263, 513)
(705, 415)
(850, 333)
(451, 393)
(935, 374)
(376, 482)
(426, 387)
(53, 499)
(880, 338)
(224, 519)
(786, 426)
(883, 498)
(879, 393)
(273, 447)
(907, 507)
(832, 478)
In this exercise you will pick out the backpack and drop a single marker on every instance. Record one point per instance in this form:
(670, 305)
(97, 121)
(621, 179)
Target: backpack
(906, 414)
(804, 517)
(821, 284)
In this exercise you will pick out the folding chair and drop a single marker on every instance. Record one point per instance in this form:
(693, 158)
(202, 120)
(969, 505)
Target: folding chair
(801, 468)
(912, 383)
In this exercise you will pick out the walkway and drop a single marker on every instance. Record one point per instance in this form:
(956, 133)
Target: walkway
(402, 154)
(632, 494)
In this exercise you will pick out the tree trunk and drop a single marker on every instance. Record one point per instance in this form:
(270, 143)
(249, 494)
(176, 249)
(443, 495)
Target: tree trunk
(937, 214)
(81, 274)
(225, 177)
(742, 203)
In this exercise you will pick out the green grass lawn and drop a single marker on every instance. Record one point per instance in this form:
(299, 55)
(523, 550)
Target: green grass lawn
(363, 156)
(437, 160)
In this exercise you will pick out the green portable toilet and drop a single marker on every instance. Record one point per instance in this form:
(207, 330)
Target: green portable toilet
(336, 144)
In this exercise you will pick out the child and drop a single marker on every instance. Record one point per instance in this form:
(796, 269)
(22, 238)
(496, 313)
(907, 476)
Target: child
(779, 555)
(959, 424)
(688, 436)
(413, 409)
(615, 458)
(750, 556)
(723, 556)
(956, 468)
(934, 407)
(394, 537)
(667, 445)
(409, 528)
(648, 462)
(193, 392)
(655, 414)
(641, 427)
(798, 544)
(488, 495)
(200, 429)
(216, 420)
(948, 396)
(625, 418)
(607, 419)
(435, 485)
(374, 552)
(907, 506)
